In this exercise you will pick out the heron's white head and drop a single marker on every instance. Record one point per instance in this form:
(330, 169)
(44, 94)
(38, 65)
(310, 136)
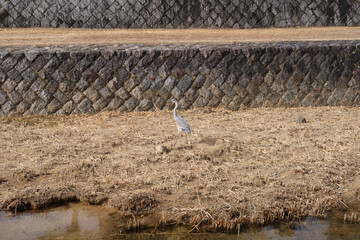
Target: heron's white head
(174, 100)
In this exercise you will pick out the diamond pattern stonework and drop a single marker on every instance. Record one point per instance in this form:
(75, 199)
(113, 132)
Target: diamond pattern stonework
(178, 14)
(79, 79)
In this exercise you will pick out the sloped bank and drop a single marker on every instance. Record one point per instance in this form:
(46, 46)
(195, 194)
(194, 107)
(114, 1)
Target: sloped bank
(90, 79)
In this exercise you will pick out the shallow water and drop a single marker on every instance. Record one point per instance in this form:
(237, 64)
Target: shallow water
(77, 221)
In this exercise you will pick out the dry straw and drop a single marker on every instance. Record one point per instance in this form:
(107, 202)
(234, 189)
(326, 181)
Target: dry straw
(241, 168)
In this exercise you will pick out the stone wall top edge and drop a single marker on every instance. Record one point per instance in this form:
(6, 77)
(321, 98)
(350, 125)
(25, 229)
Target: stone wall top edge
(181, 47)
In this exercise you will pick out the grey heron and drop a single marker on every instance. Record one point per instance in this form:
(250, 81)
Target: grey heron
(181, 123)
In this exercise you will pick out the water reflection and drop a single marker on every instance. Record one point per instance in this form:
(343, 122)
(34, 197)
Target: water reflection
(77, 221)
(74, 221)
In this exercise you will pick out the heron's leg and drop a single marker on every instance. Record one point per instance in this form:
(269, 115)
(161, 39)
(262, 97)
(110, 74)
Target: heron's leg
(177, 137)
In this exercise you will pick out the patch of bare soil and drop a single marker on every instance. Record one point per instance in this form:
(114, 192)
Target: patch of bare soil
(62, 36)
(240, 168)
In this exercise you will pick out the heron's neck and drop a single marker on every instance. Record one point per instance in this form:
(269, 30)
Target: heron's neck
(176, 106)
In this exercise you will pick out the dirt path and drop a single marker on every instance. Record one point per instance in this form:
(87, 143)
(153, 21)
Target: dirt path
(246, 167)
(41, 36)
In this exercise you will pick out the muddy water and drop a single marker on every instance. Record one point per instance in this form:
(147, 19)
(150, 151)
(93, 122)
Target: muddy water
(77, 221)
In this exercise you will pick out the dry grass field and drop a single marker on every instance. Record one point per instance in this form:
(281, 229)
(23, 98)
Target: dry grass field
(239, 168)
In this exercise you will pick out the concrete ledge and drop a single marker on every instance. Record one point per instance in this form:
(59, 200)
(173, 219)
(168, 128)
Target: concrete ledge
(90, 79)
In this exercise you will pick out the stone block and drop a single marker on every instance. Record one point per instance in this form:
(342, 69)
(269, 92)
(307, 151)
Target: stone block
(98, 84)
(198, 82)
(22, 107)
(60, 112)
(2, 97)
(164, 93)
(90, 75)
(274, 97)
(184, 83)
(185, 103)
(269, 79)
(60, 96)
(50, 67)
(338, 94)
(46, 95)
(226, 100)
(100, 104)
(32, 55)
(228, 90)
(54, 105)
(349, 97)
(200, 102)
(67, 65)
(145, 83)
(38, 85)
(15, 97)
(123, 93)
(131, 103)
(98, 64)
(105, 92)
(106, 73)
(177, 93)
(68, 107)
(157, 84)
(8, 107)
(115, 103)
(169, 83)
(131, 84)
(288, 96)
(8, 63)
(122, 75)
(85, 106)
(77, 96)
(52, 86)
(113, 84)
(306, 102)
(14, 75)
(130, 63)
(9, 85)
(216, 91)
(191, 95)
(58, 76)
(22, 65)
(160, 103)
(37, 106)
(30, 96)
(92, 94)
(2, 76)
(82, 84)
(145, 105)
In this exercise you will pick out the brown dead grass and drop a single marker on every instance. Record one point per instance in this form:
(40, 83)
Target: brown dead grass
(238, 168)
(62, 36)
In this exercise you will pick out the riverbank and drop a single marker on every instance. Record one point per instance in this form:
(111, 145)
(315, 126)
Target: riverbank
(249, 167)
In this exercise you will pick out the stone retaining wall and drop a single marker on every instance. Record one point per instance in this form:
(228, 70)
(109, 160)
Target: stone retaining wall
(90, 79)
(178, 13)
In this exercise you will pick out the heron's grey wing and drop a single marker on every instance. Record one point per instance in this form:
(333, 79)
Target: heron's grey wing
(182, 124)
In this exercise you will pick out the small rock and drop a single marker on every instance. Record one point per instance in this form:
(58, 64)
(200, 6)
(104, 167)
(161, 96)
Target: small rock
(161, 149)
(300, 119)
